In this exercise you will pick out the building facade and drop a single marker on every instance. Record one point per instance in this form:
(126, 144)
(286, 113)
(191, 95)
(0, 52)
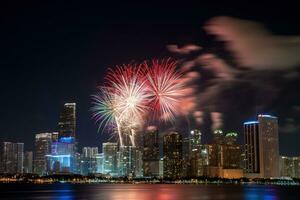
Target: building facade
(151, 152)
(261, 147)
(42, 148)
(172, 155)
(88, 160)
(67, 121)
(130, 162)
(62, 158)
(13, 157)
(28, 162)
(289, 166)
(110, 158)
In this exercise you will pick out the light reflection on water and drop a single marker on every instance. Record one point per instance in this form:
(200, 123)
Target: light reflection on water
(147, 192)
(261, 192)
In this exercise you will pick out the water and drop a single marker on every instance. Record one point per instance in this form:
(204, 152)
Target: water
(147, 192)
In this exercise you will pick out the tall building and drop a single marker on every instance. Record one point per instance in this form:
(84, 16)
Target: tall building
(139, 163)
(28, 161)
(99, 163)
(110, 158)
(13, 156)
(186, 158)
(62, 158)
(218, 137)
(231, 138)
(43, 143)
(19, 156)
(67, 121)
(130, 161)
(261, 147)
(195, 139)
(231, 152)
(194, 154)
(289, 166)
(89, 152)
(151, 152)
(88, 160)
(172, 151)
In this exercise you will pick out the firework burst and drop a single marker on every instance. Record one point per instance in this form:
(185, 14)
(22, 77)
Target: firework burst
(132, 93)
(165, 87)
(123, 101)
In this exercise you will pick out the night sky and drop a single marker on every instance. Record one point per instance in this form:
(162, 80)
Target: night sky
(58, 51)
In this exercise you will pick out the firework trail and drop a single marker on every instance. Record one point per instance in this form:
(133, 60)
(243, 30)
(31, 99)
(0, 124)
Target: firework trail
(104, 110)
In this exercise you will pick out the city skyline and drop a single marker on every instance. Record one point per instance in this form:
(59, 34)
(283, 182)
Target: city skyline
(174, 157)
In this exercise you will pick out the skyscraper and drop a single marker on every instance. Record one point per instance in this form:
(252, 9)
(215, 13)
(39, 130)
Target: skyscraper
(28, 160)
(289, 166)
(67, 121)
(261, 147)
(172, 151)
(99, 163)
(130, 161)
(88, 160)
(231, 152)
(110, 158)
(42, 148)
(186, 158)
(151, 152)
(194, 153)
(195, 139)
(62, 158)
(13, 156)
(218, 136)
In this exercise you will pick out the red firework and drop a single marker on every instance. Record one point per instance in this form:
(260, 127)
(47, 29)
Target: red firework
(166, 88)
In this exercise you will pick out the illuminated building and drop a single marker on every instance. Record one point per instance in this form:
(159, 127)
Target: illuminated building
(42, 148)
(172, 154)
(161, 168)
(211, 162)
(62, 156)
(54, 136)
(231, 152)
(67, 121)
(218, 137)
(99, 163)
(28, 160)
(195, 139)
(139, 163)
(231, 138)
(130, 162)
(221, 160)
(194, 154)
(261, 147)
(151, 152)
(110, 158)
(186, 157)
(89, 152)
(289, 166)
(12, 157)
(88, 160)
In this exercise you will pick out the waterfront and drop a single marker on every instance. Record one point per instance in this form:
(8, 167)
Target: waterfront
(147, 192)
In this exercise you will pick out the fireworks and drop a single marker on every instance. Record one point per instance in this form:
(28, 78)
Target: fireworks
(134, 93)
(166, 88)
(122, 102)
